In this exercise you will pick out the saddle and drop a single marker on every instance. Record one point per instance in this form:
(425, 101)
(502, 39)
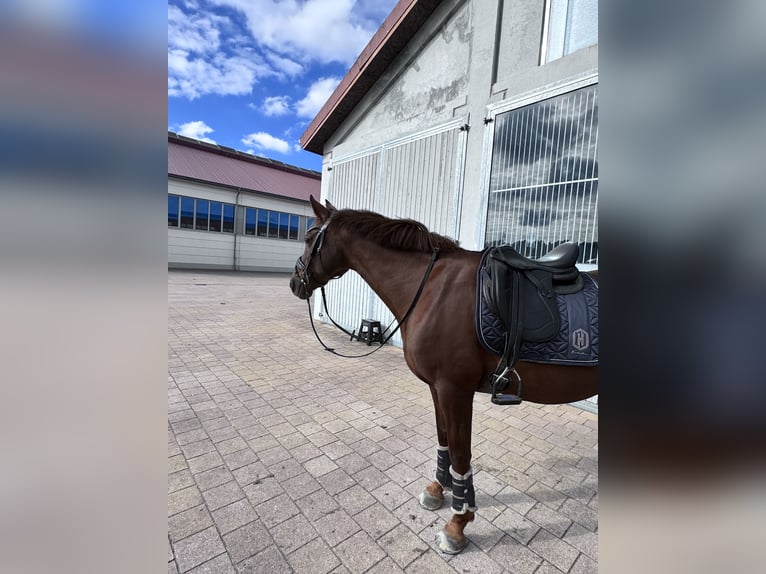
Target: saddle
(522, 293)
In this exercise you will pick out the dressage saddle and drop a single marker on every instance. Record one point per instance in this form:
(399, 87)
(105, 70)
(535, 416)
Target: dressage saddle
(521, 292)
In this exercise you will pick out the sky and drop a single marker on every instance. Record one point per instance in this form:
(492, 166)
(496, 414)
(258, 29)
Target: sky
(252, 74)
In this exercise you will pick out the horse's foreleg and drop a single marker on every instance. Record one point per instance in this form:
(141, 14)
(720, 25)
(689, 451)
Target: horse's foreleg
(457, 411)
(432, 497)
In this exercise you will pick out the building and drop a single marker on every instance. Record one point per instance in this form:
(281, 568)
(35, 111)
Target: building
(230, 210)
(478, 118)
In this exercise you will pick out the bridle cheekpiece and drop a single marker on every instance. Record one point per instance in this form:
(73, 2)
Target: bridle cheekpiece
(302, 267)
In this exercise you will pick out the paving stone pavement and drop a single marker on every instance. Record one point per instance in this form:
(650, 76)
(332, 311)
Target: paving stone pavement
(284, 458)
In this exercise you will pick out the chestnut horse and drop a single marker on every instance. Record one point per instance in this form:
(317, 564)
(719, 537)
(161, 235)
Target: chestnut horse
(440, 344)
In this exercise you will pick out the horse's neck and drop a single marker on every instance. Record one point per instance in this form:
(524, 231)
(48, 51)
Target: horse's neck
(393, 275)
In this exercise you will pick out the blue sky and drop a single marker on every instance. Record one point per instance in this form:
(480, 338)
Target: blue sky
(252, 74)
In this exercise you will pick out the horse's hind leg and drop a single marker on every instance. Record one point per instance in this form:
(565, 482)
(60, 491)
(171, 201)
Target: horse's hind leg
(457, 410)
(432, 497)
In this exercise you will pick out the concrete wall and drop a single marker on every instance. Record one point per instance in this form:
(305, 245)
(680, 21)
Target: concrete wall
(195, 249)
(420, 89)
(468, 55)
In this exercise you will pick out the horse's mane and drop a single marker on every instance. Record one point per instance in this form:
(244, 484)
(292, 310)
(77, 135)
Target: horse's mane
(401, 234)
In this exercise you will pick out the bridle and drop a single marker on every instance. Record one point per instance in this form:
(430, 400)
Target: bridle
(302, 268)
(304, 275)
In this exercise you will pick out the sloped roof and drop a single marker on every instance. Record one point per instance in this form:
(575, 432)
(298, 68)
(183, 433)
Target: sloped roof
(200, 161)
(396, 31)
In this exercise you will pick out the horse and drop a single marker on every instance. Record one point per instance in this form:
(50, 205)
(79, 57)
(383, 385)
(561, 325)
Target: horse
(440, 344)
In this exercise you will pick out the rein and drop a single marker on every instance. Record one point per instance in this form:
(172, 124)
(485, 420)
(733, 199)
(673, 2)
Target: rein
(434, 256)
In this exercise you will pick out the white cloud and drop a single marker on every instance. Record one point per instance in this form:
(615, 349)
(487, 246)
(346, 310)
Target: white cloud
(197, 130)
(193, 77)
(194, 32)
(200, 62)
(324, 31)
(262, 141)
(318, 94)
(276, 105)
(284, 66)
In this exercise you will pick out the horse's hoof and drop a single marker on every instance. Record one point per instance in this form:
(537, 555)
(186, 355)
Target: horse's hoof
(430, 502)
(449, 545)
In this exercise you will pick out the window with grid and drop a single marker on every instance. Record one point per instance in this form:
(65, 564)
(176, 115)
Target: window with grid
(543, 187)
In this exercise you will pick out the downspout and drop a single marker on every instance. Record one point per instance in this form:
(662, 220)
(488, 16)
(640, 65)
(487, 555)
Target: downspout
(236, 213)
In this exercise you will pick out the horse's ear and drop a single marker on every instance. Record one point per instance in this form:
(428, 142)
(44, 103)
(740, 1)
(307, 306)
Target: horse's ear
(329, 205)
(319, 210)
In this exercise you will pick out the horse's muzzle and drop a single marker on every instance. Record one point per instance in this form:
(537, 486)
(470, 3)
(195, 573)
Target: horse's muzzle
(298, 288)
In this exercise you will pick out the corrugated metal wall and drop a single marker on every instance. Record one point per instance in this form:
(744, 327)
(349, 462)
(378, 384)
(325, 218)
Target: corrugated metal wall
(352, 183)
(418, 177)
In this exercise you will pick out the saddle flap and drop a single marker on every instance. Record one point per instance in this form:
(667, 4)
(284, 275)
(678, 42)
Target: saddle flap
(538, 318)
(540, 314)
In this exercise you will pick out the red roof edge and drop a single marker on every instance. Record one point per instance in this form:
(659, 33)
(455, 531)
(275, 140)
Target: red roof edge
(240, 155)
(393, 35)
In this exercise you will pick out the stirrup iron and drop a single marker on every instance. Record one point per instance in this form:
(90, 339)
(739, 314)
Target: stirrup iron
(505, 399)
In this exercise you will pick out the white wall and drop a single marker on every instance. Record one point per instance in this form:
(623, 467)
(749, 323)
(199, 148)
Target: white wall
(200, 249)
(264, 254)
(196, 249)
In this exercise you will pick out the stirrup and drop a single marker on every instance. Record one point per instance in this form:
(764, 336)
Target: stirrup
(502, 398)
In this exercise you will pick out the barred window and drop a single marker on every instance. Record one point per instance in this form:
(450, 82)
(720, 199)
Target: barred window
(544, 176)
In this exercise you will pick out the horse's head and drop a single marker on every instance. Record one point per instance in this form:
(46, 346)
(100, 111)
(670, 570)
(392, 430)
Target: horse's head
(322, 259)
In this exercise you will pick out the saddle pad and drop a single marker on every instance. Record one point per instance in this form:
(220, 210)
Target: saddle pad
(577, 341)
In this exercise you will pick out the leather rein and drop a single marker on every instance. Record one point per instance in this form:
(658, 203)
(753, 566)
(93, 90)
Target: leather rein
(303, 273)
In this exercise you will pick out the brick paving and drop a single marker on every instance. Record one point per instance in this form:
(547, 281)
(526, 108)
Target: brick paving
(284, 458)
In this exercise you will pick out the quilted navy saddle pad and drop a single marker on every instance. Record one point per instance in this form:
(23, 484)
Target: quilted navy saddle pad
(577, 341)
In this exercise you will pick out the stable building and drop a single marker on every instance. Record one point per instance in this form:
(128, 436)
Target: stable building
(478, 118)
(231, 210)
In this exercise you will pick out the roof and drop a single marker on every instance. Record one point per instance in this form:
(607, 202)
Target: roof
(405, 19)
(209, 163)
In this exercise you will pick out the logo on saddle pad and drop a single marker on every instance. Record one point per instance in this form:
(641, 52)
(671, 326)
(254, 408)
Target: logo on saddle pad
(580, 339)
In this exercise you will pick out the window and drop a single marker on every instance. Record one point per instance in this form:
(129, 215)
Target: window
(263, 223)
(203, 208)
(173, 202)
(206, 215)
(309, 223)
(200, 214)
(569, 26)
(250, 221)
(543, 187)
(273, 223)
(284, 225)
(215, 216)
(228, 218)
(187, 213)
